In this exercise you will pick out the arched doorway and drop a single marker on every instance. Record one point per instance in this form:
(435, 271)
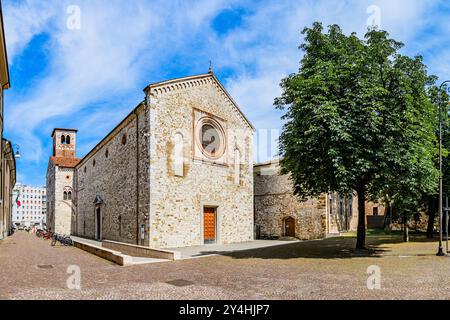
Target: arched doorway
(98, 202)
(289, 227)
(98, 224)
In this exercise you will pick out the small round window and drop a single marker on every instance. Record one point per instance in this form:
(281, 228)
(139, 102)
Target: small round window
(211, 138)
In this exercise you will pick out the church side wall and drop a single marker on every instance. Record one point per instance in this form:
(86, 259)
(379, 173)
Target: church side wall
(111, 173)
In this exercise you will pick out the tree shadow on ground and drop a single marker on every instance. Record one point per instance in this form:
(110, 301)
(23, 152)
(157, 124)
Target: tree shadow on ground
(331, 248)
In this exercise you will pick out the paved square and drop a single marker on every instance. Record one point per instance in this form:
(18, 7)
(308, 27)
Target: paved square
(327, 269)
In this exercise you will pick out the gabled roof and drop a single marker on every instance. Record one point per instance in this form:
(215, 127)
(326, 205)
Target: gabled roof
(65, 162)
(179, 83)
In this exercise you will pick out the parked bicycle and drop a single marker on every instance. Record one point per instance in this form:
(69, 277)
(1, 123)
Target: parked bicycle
(47, 235)
(63, 239)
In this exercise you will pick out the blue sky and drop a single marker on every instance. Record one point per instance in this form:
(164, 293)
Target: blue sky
(90, 78)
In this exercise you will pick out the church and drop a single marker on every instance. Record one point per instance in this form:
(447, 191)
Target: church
(176, 172)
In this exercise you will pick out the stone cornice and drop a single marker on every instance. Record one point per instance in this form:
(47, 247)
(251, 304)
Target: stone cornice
(161, 88)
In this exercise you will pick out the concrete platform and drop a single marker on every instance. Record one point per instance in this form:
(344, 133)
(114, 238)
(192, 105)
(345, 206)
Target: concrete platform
(216, 249)
(96, 248)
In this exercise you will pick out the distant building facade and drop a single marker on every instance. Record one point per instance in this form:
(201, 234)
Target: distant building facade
(29, 205)
(8, 182)
(60, 172)
(176, 172)
(279, 213)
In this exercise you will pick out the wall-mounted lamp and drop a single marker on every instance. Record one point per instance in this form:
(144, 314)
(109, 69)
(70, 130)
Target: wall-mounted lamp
(17, 155)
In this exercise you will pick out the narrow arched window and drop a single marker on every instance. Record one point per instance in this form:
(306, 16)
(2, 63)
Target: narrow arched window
(63, 139)
(65, 195)
(178, 155)
(69, 195)
(237, 167)
(68, 140)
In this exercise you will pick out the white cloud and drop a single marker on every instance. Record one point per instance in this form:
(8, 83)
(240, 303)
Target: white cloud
(23, 21)
(118, 43)
(122, 44)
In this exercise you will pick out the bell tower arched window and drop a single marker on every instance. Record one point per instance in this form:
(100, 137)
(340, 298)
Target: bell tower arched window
(67, 194)
(68, 140)
(63, 139)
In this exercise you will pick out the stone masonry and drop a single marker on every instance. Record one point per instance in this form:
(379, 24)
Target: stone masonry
(315, 218)
(60, 175)
(115, 172)
(177, 202)
(150, 180)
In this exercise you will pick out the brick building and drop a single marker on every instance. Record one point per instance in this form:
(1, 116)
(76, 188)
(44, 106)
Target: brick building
(177, 171)
(60, 173)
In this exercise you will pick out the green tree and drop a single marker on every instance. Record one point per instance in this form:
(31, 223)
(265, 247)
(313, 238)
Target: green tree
(430, 201)
(357, 117)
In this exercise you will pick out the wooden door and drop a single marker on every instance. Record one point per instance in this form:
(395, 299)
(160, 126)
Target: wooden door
(209, 225)
(289, 227)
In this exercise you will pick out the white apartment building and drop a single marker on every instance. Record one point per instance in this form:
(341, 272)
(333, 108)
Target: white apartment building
(29, 205)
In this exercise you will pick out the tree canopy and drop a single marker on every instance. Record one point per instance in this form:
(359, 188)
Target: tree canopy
(358, 116)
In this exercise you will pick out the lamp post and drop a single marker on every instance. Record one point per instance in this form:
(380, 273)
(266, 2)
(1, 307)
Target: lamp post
(440, 250)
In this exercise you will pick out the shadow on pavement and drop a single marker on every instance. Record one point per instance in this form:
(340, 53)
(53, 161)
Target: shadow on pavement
(332, 248)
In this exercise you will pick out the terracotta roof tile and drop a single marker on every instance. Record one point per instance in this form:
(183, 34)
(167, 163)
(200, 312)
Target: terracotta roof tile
(65, 162)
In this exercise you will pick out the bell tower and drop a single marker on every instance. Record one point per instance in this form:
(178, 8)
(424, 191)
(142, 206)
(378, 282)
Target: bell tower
(64, 143)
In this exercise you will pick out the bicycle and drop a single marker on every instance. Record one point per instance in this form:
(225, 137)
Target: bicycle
(63, 239)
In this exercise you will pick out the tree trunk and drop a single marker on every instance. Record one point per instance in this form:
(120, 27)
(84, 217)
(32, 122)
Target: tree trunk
(430, 227)
(405, 229)
(361, 235)
(387, 218)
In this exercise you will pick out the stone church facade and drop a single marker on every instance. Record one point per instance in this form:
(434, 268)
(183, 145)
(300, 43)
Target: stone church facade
(279, 213)
(176, 172)
(60, 175)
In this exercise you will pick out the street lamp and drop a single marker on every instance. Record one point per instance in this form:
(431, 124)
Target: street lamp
(440, 251)
(17, 155)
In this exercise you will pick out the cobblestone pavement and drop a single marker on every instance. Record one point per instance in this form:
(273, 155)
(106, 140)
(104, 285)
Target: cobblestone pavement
(327, 269)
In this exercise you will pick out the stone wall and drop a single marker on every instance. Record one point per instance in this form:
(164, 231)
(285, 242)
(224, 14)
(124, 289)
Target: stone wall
(63, 208)
(371, 207)
(275, 201)
(314, 219)
(177, 202)
(59, 211)
(50, 185)
(116, 170)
